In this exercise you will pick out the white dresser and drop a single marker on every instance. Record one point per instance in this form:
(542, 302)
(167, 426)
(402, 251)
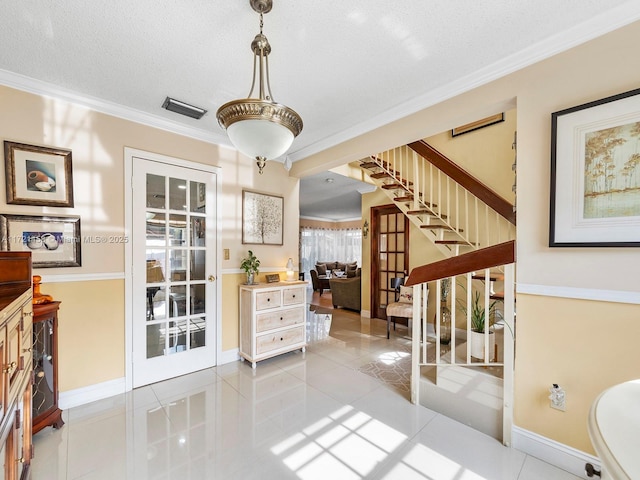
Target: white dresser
(272, 319)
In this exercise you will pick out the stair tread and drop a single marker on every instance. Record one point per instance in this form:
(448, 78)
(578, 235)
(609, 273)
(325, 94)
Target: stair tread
(451, 242)
(494, 277)
(498, 296)
(419, 212)
(392, 186)
(379, 175)
(404, 199)
(369, 165)
(441, 227)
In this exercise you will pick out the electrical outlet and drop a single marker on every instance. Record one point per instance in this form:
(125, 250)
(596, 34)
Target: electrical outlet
(226, 253)
(558, 398)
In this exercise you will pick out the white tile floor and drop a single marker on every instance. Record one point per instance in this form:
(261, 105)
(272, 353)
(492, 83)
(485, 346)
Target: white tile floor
(297, 416)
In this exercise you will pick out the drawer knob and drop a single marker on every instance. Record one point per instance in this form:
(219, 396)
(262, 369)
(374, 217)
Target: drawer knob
(26, 350)
(268, 299)
(281, 339)
(294, 296)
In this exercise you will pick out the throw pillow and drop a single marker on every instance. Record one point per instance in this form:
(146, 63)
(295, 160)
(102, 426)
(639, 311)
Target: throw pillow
(330, 265)
(406, 294)
(341, 266)
(321, 268)
(351, 273)
(351, 266)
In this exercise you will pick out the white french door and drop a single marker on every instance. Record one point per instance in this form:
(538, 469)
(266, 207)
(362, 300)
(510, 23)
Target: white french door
(174, 292)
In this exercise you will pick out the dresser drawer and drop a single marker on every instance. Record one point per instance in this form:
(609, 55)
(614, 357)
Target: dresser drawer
(293, 296)
(268, 299)
(283, 318)
(274, 341)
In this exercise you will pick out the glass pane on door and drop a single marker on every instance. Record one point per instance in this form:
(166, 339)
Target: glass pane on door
(176, 259)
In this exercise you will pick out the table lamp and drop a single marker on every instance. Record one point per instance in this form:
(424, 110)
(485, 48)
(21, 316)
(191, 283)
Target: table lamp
(290, 270)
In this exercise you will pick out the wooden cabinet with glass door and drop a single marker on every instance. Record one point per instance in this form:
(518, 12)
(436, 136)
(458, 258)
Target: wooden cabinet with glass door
(45, 363)
(16, 378)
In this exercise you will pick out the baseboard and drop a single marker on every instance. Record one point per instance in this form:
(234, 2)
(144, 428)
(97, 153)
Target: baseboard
(229, 356)
(365, 313)
(555, 453)
(98, 391)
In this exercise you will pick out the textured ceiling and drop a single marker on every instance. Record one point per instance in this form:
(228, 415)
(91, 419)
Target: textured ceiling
(345, 67)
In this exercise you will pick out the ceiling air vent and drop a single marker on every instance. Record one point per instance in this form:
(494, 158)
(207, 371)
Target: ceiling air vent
(182, 108)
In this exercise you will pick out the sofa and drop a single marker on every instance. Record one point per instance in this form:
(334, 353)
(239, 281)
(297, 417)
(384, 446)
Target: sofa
(322, 268)
(345, 292)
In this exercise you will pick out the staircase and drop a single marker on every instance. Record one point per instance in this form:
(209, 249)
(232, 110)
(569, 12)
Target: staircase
(455, 211)
(474, 229)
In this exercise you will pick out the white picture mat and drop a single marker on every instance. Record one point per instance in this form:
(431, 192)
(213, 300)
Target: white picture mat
(20, 165)
(64, 253)
(569, 224)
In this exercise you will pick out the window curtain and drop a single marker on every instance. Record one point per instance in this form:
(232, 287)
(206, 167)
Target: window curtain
(342, 245)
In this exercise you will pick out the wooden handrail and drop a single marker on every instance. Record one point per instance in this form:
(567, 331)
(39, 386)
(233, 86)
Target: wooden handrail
(462, 177)
(501, 254)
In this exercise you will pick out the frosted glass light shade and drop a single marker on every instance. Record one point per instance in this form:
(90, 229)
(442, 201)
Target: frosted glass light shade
(259, 128)
(260, 138)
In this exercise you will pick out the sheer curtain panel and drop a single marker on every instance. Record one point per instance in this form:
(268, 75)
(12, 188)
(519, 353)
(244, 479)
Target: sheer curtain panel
(341, 245)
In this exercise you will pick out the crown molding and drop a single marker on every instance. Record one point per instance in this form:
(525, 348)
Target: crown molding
(329, 220)
(596, 27)
(38, 87)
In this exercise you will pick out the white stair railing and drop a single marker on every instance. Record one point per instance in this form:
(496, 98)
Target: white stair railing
(469, 294)
(448, 213)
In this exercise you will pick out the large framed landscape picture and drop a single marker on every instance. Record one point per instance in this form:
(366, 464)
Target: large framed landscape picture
(40, 176)
(595, 174)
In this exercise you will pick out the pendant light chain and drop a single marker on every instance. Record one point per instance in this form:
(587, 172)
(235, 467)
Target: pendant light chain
(260, 127)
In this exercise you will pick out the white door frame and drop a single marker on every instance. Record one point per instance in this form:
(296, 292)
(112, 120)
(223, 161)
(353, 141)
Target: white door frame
(129, 155)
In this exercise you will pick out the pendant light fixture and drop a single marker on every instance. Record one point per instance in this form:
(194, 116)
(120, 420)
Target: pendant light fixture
(259, 127)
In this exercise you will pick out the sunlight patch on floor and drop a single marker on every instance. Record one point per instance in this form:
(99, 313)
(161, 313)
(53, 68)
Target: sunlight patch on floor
(389, 358)
(346, 444)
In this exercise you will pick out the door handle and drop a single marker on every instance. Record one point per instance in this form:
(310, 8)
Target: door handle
(212, 278)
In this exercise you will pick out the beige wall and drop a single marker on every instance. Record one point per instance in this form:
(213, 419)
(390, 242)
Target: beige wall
(90, 332)
(485, 153)
(559, 347)
(95, 310)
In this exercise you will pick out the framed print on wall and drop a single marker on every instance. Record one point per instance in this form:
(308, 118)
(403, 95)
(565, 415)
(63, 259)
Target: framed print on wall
(262, 218)
(52, 241)
(595, 174)
(478, 124)
(40, 176)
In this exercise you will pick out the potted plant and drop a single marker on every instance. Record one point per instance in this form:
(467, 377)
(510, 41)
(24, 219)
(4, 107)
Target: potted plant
(478, 314)
(251, 266)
